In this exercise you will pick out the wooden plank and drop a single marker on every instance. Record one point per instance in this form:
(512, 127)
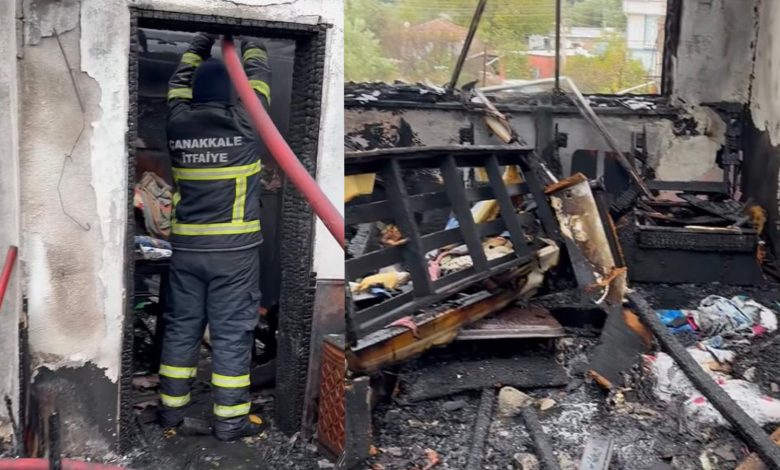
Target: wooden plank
(359, 267)
(523, 372)
(414, 253)
(440, 239)
(542, 443)
(493, 227)
(543, 209)
(397, 345)
(380, 210)
(508, 212)
(481, 429)
(357, 399)
(460, 206)
(370, 212)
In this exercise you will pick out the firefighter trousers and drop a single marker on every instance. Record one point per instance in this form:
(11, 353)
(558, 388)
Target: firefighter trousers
(221, 289)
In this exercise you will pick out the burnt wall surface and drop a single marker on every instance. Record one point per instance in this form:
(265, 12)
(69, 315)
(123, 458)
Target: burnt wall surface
(713, 59)
(760, 178)
(681, 145)
(296, 302)
(762, 153)
(86, 402)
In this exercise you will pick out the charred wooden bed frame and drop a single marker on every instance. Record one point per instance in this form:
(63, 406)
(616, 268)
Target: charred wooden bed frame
(400, 206)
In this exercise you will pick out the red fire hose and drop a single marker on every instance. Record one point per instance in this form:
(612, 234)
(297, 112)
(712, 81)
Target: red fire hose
(43, 464)
(8, 267)
(279, 149)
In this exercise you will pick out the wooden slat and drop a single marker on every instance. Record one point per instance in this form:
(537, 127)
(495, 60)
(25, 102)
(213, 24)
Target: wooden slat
(369, 212)
(460, 206)
(380, 315)
(493, 227)
(414, 253)
(443, 238)
(543, 209)
(373, 261)
(380, 210)
(508, 212)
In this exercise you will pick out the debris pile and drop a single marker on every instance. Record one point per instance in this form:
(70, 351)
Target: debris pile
(578, 371)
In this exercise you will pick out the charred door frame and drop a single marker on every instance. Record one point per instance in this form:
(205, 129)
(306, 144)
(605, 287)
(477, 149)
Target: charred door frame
(296, 296)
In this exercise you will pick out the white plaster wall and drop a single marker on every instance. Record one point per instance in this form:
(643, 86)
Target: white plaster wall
(765, 101)
(328, 255)
(9, 214)
(74, 277)
(714, 58)
(73, 269)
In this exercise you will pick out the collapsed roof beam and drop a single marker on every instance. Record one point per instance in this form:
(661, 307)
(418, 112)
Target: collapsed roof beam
(467, 45)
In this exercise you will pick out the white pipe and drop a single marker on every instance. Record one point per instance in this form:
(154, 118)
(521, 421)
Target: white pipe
(516, 86)
(635, 88)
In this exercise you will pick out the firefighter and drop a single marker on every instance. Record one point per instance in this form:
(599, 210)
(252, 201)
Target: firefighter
(215, 268)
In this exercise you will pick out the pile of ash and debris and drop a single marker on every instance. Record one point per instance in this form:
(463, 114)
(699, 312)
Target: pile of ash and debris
(602, 353)
(632, 424)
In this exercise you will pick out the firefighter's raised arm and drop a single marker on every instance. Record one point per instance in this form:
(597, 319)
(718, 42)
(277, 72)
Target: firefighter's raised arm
(180, 84)
(254, 57)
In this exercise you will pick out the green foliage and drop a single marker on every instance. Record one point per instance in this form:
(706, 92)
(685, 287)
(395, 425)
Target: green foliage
(379, 47)
(612, 71)
(596, 14)
(363, 55)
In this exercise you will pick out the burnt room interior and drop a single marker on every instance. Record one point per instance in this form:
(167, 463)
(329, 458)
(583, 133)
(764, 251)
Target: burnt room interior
(536, 270)
(158, 57)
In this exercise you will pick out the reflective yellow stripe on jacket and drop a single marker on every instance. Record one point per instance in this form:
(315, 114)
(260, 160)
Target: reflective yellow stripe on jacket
(237, 225)
(262, 87)
(180, 93)
(254, 53)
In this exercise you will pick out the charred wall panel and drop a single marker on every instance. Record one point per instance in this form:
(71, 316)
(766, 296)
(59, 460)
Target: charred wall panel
(296, 303)
(760, 172)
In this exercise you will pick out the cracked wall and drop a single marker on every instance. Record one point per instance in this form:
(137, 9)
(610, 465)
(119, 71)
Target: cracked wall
(74, 210)
(10, 214)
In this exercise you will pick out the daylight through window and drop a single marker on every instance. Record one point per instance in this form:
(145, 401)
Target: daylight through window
(606, 46)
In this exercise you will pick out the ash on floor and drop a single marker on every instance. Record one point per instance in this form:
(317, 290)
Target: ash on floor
(270, 450)
(645, 430)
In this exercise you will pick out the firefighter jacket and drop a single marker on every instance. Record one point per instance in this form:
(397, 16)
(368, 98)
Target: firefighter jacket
(215, 158)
